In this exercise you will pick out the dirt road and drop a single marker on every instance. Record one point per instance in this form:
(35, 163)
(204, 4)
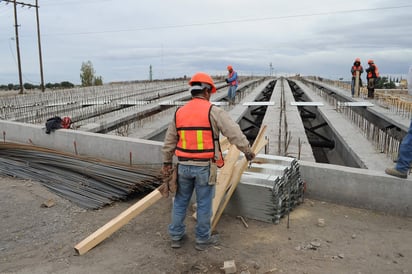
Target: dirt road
(40, 239)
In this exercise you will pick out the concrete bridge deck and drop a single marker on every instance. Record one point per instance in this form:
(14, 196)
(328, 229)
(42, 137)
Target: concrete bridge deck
(368, 188)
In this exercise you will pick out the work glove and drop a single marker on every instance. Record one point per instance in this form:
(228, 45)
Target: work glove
(169, 178)
(227, 80)
(166, 169)
(250, 155)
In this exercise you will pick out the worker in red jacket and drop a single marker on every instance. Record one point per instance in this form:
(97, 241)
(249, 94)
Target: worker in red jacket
(372, 74)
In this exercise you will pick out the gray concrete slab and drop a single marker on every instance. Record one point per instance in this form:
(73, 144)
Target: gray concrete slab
(294, 128)
(349, 134)
(356, 187)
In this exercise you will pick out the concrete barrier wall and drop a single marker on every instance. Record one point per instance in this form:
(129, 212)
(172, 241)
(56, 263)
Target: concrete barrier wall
(357, 187)
(360, 188)
(115, 148)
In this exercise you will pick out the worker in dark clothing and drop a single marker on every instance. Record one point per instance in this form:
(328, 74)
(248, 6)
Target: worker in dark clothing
(372, 74)
(356, 67)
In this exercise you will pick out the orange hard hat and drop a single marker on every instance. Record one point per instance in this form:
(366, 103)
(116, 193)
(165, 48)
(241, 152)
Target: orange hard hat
(370, 61)
(357, 59)
(204, 78)
(229, 67)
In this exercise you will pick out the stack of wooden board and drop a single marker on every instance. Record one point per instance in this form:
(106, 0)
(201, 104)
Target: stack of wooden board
(268, 190)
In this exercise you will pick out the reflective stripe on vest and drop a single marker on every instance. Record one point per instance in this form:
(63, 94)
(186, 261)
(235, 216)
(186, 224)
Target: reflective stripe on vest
(195, 130)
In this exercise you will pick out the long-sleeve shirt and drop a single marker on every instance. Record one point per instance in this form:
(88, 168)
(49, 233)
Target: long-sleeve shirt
(232, 79)
(221, 123)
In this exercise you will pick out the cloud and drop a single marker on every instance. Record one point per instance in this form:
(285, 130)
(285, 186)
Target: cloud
(181, 37)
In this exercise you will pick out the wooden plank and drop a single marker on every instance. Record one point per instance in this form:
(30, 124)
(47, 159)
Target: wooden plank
(116, 223)
(355, 104)
(220, 103)
(306, 104)
(181, 103)
(357, 83)
(236, 174)
(258, 103)
(224, 144)
(223, 178)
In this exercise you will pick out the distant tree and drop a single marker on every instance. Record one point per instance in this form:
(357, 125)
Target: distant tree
(10, 86)
(98, 81)
(379, 83)
(389, 85)
(88, 77)
(384, 83)
(28, 86)
(87, 74)
(66, 84)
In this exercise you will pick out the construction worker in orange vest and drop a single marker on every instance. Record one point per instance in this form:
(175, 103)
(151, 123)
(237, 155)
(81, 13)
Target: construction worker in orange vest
(372, 75)
(356, 67)
(193, 136)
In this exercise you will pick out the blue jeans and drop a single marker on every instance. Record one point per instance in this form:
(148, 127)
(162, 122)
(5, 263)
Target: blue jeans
(405, 152)
(231, 93)
(192, 178)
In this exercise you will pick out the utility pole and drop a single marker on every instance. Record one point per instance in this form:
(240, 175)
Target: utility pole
(16, 26)
(38, 41)
(17, 40)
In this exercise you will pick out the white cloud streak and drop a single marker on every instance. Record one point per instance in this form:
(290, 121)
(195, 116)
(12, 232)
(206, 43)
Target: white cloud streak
(176, 38)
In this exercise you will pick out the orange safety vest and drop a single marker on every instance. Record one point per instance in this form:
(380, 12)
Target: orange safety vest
(195, 131)
(355, 68)
(370, 74)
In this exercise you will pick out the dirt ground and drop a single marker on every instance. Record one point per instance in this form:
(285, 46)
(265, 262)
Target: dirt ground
(38, 239)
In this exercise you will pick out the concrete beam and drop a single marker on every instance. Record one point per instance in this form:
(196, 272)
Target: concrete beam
(357, 187)
(114, 148)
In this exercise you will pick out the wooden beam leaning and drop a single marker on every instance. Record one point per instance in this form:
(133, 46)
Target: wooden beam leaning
(357, 83)
(123, 218)
(236, 174)
(116, 223)
(223, 178)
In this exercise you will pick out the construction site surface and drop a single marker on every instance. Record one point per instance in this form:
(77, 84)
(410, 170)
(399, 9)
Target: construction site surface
(352, 218)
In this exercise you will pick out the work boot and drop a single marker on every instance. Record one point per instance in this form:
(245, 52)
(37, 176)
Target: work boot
(396, 173)
(212, 241)
(177, 243)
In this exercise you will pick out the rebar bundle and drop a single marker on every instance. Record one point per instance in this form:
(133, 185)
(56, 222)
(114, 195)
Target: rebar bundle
(88, 182)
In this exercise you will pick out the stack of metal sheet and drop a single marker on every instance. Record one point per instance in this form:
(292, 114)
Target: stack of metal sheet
(268, 190)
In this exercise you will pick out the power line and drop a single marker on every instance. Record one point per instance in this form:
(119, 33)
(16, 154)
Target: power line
(236, 21)
(15, 3)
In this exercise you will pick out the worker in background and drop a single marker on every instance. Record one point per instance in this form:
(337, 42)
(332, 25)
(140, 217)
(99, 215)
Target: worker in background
(356, 67)
(372, 74)
(233, 83)
(193, 136)
(402, 166)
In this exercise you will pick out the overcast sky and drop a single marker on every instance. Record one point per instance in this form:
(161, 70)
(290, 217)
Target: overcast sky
(123, 39)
